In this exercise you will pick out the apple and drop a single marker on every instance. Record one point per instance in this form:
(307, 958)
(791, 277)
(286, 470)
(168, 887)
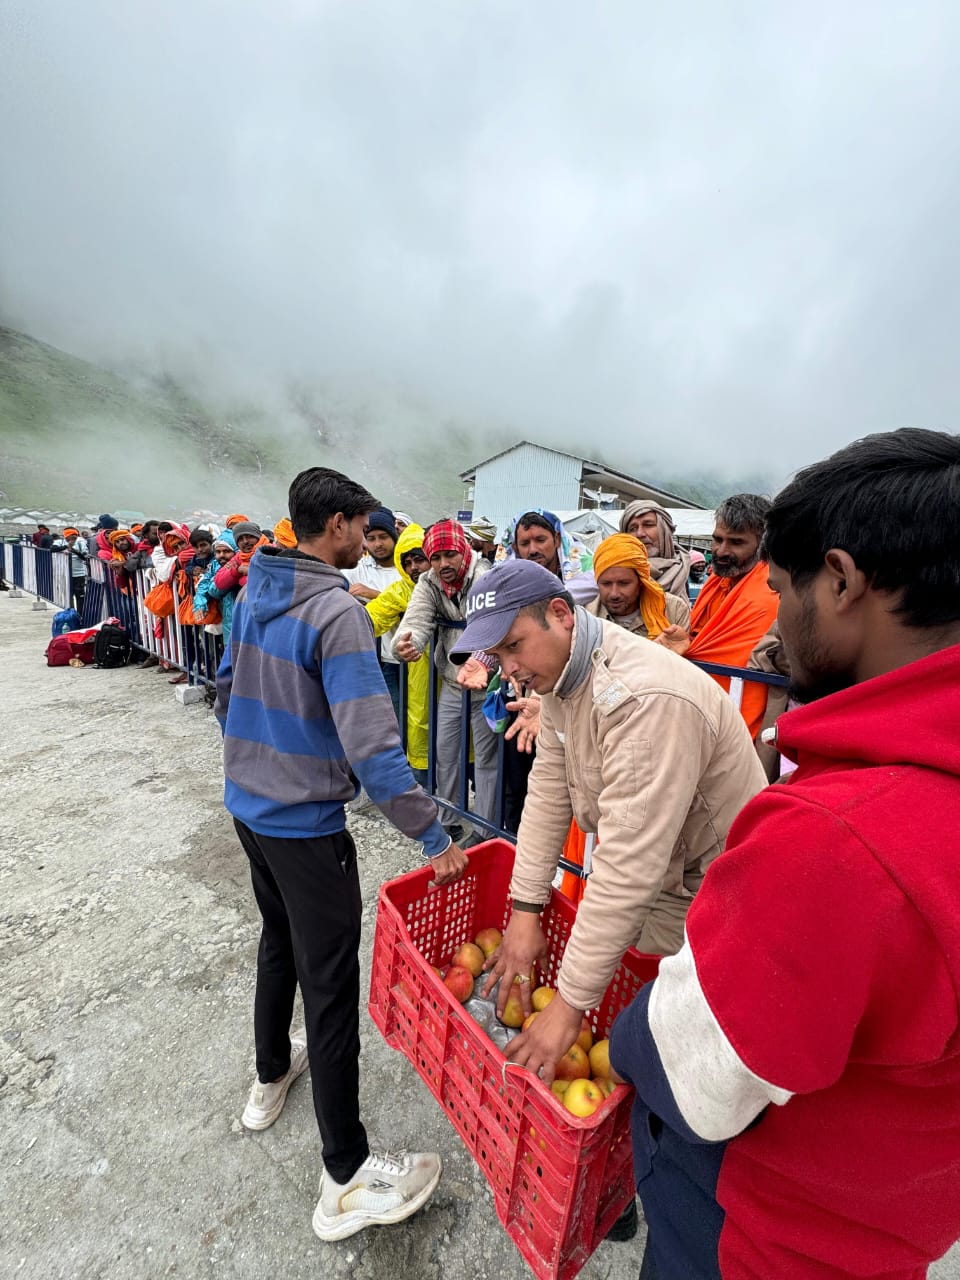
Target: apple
(585, 1038)
(528, 1022)
(560, 1087)
(513, 1011)
(542, 997)
(574, 1065)
(604, 1083)
(600, 1058)
(582, 1097)
(459, 982)
(470, 957)
(488, 940)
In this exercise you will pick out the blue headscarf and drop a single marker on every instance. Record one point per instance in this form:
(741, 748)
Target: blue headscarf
(227, 539)
(567, 568)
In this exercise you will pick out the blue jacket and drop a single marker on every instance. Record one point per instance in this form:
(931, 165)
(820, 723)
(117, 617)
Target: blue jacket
(205, 591)
(305, 711)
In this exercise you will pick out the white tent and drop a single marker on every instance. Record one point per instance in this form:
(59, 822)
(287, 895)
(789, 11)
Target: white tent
(592, 525)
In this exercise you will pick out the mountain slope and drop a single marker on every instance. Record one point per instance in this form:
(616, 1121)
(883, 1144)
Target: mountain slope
(75, 435)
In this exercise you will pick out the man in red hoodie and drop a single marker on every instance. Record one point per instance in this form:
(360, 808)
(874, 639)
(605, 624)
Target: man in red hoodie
(797, 1063)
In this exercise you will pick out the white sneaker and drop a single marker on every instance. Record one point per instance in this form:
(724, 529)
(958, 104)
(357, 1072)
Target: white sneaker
(266, 1100)
(386, 1188)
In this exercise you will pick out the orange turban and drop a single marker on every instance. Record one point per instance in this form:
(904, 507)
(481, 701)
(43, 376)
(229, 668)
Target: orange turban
(71, 533)
(114, 536)
(232, 520)
(623, 550)
(283, 534)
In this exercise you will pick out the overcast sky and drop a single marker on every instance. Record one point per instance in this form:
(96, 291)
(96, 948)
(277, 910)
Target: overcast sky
(697, 231)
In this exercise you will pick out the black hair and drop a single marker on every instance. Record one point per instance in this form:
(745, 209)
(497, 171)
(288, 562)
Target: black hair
(319, 493)
(892, 502)
(532, 520)
(744, 513)
(200, 535)
(538, 610)
(413, 551)
(164, 526)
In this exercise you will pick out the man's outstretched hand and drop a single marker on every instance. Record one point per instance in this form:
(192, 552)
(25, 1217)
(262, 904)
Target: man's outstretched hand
(526, 727)
(675, 638)
(473, 675)
(404, 648)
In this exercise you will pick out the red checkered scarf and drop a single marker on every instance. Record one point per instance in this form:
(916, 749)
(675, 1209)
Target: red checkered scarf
(447, 535)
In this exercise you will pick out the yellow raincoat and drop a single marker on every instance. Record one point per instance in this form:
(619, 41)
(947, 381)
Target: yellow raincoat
(385, 612)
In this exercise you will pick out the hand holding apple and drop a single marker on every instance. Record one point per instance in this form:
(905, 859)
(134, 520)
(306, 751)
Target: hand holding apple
(552, 1034)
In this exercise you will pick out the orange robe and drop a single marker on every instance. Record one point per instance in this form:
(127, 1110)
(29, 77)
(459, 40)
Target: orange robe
(729, 619)
(573, 886)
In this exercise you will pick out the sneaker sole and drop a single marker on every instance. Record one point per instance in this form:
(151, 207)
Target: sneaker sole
(348, 1224)
(265, 1119)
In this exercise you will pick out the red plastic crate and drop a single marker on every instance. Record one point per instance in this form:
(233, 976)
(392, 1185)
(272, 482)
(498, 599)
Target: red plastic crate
(559, 1182)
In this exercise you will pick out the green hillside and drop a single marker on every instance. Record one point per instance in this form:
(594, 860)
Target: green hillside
(75, 436)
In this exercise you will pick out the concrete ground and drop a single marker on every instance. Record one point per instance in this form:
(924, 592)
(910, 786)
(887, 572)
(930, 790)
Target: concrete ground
(128, 934)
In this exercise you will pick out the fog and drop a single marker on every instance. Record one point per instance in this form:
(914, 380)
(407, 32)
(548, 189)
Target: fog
(692, 236)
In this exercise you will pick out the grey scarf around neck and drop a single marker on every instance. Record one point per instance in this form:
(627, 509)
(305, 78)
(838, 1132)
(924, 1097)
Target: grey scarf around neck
(586, 639)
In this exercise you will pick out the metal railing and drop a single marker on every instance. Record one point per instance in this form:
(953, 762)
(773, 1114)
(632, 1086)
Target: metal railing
(38, 570)
(192, 650)
(196, 652)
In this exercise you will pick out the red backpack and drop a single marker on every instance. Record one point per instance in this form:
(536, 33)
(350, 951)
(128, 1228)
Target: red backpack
(72, 644)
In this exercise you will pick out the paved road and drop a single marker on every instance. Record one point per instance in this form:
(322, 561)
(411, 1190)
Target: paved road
(128, 936)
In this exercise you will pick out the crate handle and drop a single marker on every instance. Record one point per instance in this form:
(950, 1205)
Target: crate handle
(508, 1063)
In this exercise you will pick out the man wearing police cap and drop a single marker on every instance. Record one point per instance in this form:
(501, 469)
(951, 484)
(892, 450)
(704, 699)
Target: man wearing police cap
(638, 746)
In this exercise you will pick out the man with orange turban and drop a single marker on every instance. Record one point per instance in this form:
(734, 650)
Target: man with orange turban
(736, 608)
(283, 534)
(125, 558)
(628, 595)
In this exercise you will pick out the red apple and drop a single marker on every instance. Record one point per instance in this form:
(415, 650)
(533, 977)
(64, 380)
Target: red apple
(574, 1065)
(585, 1038)
(459, 982)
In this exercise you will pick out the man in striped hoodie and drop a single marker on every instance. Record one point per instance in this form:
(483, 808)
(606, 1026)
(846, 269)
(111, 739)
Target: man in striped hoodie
(305, 714)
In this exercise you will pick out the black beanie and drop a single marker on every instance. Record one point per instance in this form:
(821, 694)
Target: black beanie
(383, 519)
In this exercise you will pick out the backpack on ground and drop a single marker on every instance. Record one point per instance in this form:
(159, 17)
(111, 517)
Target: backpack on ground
(65, 620)
(73, 644)
(112, 647)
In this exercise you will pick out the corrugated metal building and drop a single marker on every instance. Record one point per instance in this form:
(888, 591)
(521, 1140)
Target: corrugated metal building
(529, 475)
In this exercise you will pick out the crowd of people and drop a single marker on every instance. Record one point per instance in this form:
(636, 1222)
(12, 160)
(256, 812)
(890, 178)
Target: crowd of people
(797, 1060)
(642, 578)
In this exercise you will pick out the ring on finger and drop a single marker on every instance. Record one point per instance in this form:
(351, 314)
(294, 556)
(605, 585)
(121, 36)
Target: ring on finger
(521, 978)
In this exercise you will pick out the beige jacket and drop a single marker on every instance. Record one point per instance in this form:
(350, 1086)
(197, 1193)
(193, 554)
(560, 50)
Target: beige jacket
(650, 754)
(678, 614)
